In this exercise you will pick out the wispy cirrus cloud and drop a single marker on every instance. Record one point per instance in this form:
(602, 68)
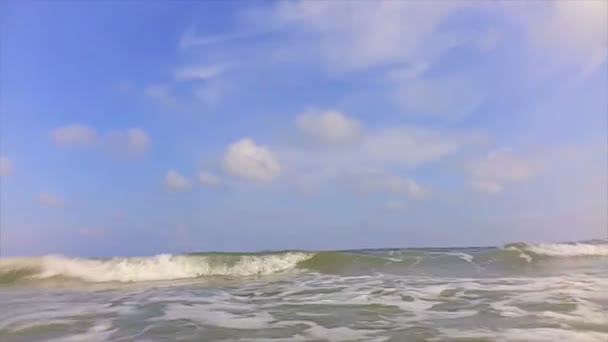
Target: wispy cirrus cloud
(200, 72)
(354, 35)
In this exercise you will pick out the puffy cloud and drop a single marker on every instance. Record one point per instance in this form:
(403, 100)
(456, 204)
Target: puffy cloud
(75, 135)
(208, 179)
(329, 126)
(6, 167)
(176, 182)
(500, 167)
(202, 73)
(247, 160)
(49, 200)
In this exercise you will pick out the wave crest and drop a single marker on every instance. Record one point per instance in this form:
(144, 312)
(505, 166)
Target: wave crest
(561, 249)
(154, 268)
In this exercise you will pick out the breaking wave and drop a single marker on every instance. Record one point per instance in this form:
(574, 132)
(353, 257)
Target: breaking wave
(154, 268)
(189, 266)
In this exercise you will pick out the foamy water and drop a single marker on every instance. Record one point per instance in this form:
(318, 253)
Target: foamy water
(522, 292)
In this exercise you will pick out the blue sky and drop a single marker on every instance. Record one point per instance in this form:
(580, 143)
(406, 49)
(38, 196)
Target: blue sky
(134, 128)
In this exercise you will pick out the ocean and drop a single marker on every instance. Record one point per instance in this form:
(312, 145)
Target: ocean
(518, 292)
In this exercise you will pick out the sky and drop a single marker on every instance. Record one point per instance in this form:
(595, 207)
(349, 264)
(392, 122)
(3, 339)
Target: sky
(135, 128)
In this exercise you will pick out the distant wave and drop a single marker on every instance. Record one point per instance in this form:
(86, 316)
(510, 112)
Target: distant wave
(189, 266)
(592, 249)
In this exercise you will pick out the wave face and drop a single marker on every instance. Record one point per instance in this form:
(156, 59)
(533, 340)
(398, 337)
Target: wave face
(402, 261)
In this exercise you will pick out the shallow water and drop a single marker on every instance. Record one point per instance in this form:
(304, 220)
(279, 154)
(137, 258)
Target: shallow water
(517, 293)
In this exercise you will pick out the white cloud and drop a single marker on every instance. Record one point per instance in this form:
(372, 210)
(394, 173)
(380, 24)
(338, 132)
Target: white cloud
(573, 32)
(75, 135)
(161, 93)
(49, 200)
(201, 73)
(247, 160)
(6, 167)
(500, 167)
(133, 141)
(329, 126)
(208, 179)
(176, 182)
(355, 34)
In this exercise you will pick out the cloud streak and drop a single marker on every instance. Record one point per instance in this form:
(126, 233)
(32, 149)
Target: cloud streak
(74, 135)
(132, 141)
(200, 72)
